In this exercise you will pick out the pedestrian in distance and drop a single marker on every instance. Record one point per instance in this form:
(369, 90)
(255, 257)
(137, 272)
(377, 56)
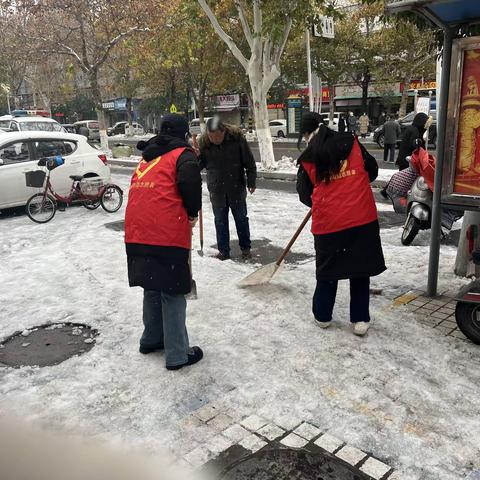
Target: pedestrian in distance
(333, 179)
(413, 138)
(352, 123)
(231, 170)
(341, 124)
(364, 123)
(391, 133)
(382, 119)
(163, 203)
(83, 130)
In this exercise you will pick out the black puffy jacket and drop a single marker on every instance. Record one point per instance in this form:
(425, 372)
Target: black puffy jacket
(412, 138)
(230, 167)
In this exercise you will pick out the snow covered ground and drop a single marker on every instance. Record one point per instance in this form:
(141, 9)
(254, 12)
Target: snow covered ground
(404, 393)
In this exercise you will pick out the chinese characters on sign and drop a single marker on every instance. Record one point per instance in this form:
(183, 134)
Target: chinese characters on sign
(467, 169)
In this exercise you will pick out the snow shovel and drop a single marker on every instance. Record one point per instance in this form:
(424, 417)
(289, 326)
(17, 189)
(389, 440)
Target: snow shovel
(200, 226)
(193, 292)
(266, 273)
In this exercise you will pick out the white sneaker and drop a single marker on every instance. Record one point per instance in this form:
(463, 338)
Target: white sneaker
(361, 328)
(322, 324)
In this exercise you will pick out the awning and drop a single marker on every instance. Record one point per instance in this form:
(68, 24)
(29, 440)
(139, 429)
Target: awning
(446, 12)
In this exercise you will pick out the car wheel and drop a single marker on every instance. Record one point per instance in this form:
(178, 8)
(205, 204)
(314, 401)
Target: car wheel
(381, 140)
(280, 134)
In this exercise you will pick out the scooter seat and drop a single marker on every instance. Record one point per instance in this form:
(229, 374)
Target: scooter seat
(76, 178)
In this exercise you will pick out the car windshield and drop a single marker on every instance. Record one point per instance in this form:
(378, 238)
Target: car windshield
(41, 126)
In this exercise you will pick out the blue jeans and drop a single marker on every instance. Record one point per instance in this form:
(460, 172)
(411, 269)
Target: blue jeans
(239, 212)
(324, 300)
(164, 320)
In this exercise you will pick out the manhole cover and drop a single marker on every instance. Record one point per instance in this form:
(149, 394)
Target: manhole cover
(47, 344)
(287, 464)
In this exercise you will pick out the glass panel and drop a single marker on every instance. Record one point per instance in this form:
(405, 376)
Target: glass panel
(15, 153)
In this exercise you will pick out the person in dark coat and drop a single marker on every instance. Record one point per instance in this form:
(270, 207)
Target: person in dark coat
(164, 200)
(333, 178)
(412, 139)
(341, 124)
(352, 123)
(231, 169)
(391, 134)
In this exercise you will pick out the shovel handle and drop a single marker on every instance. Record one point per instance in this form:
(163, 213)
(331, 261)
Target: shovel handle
(294, 238)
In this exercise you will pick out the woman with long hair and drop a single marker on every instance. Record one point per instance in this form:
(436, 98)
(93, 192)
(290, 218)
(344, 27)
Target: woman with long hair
(334, 177)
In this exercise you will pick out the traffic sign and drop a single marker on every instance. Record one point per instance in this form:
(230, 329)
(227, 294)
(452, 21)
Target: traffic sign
(173, 108)
(324, 27)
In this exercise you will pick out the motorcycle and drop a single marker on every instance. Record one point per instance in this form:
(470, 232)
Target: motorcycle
(411, 193)
(467, 311)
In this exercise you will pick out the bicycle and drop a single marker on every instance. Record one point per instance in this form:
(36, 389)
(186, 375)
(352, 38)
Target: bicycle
(90, 191)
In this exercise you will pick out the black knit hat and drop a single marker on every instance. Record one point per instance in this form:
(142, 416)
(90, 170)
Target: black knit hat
(214, 124)
(310, 122)
(175, 125)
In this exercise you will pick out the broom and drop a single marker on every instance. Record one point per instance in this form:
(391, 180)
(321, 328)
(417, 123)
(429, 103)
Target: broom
(267, 272)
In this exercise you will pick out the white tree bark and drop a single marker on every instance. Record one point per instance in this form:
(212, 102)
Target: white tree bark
(262, 68)
(462, 267)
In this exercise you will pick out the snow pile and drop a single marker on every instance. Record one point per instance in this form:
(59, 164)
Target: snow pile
(405, 393)
(121, 136)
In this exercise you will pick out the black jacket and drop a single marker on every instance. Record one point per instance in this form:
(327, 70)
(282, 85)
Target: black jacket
(160, 268)
(230, 167)
(412, 138)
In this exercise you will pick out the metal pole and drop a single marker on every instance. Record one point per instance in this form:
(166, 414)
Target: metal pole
(415, 99)
(8, 103)
(309, 68)
(437, 191)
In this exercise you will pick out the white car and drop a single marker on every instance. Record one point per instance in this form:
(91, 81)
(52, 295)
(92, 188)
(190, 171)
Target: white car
(278, 128)
(336, 118)
(20, 152)
(28, 124)
(195, 128)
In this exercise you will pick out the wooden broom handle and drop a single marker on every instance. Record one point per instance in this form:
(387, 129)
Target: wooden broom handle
(294, 238)
(200, 225)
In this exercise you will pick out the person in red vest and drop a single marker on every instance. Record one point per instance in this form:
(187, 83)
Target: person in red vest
(333, 179)
(163, 203)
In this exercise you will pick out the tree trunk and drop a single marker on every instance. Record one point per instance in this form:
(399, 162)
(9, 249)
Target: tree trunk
(129, 128)
(260, 111)
(331, 105)
(404, 101)
(97, 98)
(365, 84)
(463, 258)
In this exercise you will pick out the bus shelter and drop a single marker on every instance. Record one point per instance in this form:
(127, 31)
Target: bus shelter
(457, 172)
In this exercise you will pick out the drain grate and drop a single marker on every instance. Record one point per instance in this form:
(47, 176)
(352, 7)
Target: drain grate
(290, 464)
(46, 345)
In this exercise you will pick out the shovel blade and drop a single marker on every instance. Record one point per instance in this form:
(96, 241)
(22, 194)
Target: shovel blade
(261, 276)
(193, 292)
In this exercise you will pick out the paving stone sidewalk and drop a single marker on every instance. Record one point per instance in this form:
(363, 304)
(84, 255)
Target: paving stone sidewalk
(437, 312)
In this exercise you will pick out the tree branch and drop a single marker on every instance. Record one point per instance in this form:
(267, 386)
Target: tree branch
(244, 22)
(114, 41)
(279, 50)
(223, 35)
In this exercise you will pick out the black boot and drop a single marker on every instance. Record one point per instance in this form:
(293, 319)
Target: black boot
(195, 355)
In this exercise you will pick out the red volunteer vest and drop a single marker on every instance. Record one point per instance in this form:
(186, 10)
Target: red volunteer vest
(155, 214)
(346, 201)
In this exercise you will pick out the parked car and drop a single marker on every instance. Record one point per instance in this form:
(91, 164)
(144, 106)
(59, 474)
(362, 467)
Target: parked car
(69, 127)
(20, 152)
(405, 122)
(119, 129)
(195, 126)
(336, 118)
(24, 124)
(278, 128)
(93, 129)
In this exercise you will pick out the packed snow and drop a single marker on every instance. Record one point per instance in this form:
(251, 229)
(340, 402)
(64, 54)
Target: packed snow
(404, 392)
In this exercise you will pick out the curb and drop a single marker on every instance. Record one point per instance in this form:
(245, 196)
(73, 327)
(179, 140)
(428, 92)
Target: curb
(277, 176)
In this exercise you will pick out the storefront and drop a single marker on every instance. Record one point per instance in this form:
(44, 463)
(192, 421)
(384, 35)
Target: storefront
(116, 110)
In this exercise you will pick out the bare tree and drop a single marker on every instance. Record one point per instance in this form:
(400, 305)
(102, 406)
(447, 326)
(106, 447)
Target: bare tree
(266, 29)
